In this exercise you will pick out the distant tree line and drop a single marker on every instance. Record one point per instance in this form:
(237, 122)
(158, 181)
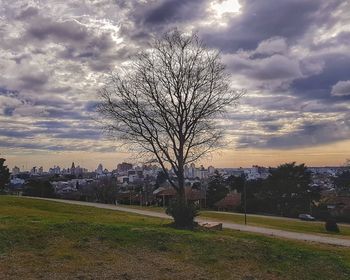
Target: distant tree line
(4, 175)
(287, 191)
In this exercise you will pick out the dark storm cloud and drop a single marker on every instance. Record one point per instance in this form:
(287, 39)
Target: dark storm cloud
(81, 43)
(169, 11)
(18, 59)
(40, 146)
(27, 13)
(44, 28)
(8, 92)
(284, 52)
(156, 17)
(33, 81)
(53, 102)
(8, 111)
(80, 134)
(91, 106)
(308, 134)
(272, 127)
(29, 145)
(319, 86)
(94, 47)
(66, 114)
(60, 89)
(343, 38)
(275, 67)
(54, 130)
(52, 124)
(19, 133)
(261, 20)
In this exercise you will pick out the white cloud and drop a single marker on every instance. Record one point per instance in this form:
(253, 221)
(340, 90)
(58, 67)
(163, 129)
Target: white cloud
(341, 88)
(275, 45)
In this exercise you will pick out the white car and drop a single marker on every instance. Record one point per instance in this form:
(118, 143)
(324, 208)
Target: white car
(306, 217)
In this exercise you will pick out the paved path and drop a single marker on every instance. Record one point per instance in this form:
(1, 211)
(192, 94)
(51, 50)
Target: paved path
(239, 227)
(273, 217)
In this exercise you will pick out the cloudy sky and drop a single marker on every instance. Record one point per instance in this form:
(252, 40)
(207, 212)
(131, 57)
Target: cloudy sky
(293, 57)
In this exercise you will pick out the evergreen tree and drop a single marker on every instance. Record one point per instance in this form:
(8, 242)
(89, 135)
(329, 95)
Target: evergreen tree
(217, 189)
(37, 187)
(4, 175)
(342, 183)
(236, 182)
(161, 179)
(288, 189)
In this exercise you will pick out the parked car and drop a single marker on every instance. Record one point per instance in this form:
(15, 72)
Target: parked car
(306, 217)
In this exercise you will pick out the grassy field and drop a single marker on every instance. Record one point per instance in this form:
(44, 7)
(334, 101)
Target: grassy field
(268, 222)
(50, 240)
(283, 224)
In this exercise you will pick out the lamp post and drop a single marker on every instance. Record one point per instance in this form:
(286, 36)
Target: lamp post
(245, 200)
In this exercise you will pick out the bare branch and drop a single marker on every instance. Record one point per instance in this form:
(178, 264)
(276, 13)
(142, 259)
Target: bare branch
(167, 102)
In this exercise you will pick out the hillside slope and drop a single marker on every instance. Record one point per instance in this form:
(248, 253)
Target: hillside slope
(51, 240)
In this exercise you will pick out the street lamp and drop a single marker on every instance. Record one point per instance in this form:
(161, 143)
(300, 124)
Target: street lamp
(245, 199)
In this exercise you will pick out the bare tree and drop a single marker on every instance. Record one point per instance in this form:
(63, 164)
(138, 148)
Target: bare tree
(167, 101)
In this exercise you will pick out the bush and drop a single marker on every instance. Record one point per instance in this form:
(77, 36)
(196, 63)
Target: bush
(321, 212)
(40, 188)
(331, 225)
(183, 213)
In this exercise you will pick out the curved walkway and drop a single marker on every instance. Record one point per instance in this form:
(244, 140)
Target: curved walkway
(273, 217)
(245, 228)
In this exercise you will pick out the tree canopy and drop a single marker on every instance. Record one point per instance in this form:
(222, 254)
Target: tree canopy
(4, 174)
(165, 103)
(217, 189)
(288, 189)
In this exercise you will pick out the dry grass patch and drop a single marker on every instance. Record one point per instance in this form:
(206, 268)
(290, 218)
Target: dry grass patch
(49, 240)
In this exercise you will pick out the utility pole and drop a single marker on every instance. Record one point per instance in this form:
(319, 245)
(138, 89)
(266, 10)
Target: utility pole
(140, 198)
(245, 200)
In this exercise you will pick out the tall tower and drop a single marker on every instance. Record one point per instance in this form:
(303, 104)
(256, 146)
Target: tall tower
(72, 169)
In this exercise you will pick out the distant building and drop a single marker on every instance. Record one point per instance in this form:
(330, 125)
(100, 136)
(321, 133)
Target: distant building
(211, 170)
(99, 169)
(72, 169)
(15, 171)
(230, 202)
(34, 171)
(124, 167)
(55, 170)
(17, 182)
(192, 171)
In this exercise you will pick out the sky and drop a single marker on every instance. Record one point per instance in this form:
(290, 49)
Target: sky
(292, 57)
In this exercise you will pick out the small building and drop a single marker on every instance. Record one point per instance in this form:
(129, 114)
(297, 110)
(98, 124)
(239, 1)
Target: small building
(230, 202)
(338, 205)
(165, 195)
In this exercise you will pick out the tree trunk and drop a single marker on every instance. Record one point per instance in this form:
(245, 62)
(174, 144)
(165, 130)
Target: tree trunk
(181, 184)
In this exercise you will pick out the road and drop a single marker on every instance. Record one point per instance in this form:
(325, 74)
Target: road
(239, 227)
(272, 217)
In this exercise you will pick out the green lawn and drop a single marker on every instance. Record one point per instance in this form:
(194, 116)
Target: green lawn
(283, 224)
(268, 222)
(51, 240)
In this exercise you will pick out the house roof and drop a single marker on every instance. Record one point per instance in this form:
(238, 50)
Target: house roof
(191, 194)
(345, 200)
(230, 201)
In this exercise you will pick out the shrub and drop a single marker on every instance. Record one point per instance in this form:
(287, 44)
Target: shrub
(183, 213)
(331, 225)
(40, 188)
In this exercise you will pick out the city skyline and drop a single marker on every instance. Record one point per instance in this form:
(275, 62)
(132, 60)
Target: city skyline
(295, 68)
(111, 165)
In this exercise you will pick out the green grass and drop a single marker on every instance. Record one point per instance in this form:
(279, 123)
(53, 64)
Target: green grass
(267, 222)
(50, 240)
(283, 224)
